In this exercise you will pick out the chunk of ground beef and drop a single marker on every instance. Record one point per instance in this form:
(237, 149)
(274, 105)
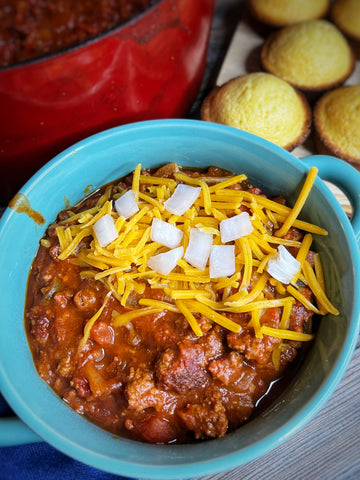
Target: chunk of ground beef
(213, 343)
(142, 393)
(207, 419)
(182, 368)
(239, 407)
(288, 352)
(232, 371)
(40, 318)
(82, 387)
(257, 349)
(299, 313)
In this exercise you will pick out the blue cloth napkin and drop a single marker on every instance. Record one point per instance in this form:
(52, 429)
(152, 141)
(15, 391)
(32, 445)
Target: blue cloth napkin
(40, 461)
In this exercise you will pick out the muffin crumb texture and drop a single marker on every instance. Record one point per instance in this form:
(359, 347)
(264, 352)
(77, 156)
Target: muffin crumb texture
(308, 94)
(346, 15)
(262, 104)
(279, 13)
(311, 55)
(337, 123)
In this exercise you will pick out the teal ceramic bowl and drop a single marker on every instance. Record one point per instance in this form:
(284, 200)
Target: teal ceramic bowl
(109, 155)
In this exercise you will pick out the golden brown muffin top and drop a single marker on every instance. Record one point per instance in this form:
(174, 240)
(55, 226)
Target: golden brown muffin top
(279, 13)
(337, 122)
(312, 55)
(261, 104)
(346, 15)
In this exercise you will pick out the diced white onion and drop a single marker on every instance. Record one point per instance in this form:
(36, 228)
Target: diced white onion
(198, 249)
(235, 227)
(182, 199)
(164, 263)
(126, 205)
(222, 261)
(282, 265)
(165, 233)
(105, 230)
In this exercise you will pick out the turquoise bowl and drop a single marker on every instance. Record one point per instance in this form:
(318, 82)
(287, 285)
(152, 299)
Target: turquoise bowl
(108, 156)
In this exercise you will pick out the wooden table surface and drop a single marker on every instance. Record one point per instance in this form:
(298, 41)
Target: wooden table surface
(328, 448)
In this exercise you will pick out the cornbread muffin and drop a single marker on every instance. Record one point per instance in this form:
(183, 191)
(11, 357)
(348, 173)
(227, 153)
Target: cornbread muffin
(279, 13)
(311, 55)
(261, 104)
(346, 15)
(337, 123)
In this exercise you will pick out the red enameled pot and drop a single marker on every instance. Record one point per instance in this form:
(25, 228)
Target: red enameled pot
(149, 67)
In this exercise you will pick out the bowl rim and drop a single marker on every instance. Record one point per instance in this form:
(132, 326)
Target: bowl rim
(235, 459)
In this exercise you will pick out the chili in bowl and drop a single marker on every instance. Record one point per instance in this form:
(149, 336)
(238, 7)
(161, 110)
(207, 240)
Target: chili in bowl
(163, 347)
(165, 305)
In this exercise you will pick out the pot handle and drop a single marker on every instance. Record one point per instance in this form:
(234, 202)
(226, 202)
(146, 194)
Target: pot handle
(345, 177)
(14, 432)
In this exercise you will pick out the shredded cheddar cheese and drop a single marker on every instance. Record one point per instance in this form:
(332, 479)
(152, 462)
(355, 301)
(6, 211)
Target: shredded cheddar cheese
(299, 203)
(303, 251)
(317, 290)
(123, 318)
(286, 334)
(122, 265)
(91, 322)
(136, 181)
(182, 306)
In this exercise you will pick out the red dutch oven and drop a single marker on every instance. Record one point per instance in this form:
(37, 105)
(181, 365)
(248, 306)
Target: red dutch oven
(149, 67)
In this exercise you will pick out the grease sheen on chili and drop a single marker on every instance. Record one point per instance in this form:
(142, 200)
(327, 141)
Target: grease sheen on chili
(151, 379)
